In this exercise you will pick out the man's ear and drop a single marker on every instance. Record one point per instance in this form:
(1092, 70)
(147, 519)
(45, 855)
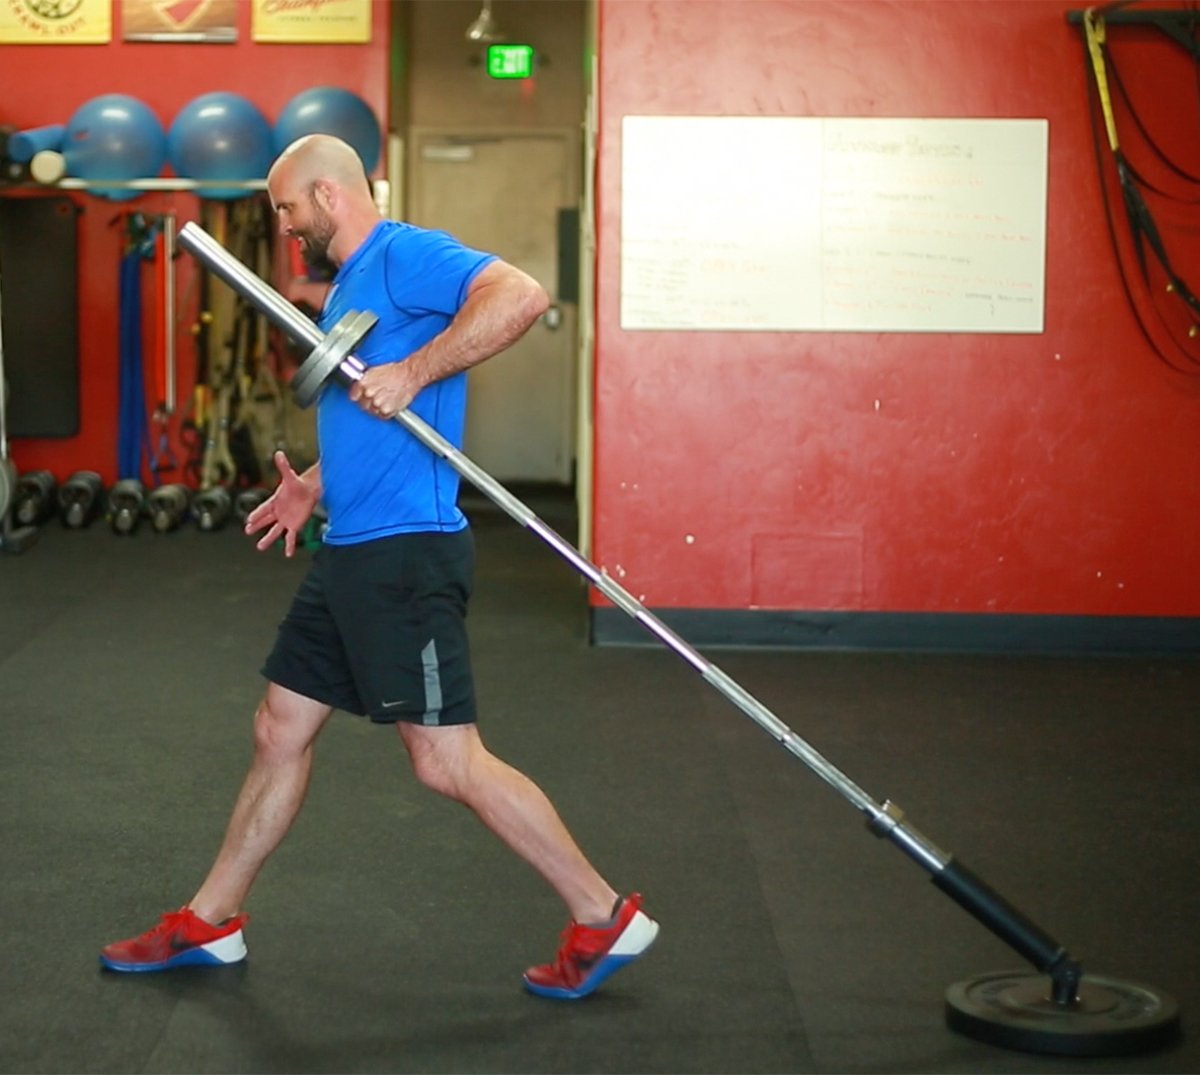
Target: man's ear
(324, 194)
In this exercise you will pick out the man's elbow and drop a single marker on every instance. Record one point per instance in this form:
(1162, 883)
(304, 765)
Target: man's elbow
(534, 301)
(513, 294)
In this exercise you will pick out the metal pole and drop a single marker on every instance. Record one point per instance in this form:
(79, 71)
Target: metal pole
(169, 310)
(3, 399)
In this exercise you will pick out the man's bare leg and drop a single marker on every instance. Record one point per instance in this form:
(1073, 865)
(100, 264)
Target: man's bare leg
(286, 726)
(453, 761)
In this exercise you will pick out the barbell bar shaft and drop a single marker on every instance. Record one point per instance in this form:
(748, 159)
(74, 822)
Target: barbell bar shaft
(882, 819)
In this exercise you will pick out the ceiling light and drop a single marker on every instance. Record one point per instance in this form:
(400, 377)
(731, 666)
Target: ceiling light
(484, 29)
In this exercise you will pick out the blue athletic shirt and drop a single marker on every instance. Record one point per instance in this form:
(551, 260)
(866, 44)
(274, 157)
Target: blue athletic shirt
(378, 479)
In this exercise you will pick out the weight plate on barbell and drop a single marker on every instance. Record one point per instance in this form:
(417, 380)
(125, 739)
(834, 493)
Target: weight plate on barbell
(327, 357)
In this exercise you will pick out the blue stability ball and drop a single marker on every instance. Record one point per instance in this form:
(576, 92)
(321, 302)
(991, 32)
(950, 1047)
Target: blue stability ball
(329, 110)
(222, 137)
(114, 137)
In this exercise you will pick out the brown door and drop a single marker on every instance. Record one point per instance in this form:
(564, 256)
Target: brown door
(501, 192)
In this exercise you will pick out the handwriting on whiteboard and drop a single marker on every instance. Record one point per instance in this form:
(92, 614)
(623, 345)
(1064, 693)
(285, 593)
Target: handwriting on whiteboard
(808, 224)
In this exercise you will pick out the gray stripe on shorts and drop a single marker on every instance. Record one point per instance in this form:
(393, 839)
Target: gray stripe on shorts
(433, 684)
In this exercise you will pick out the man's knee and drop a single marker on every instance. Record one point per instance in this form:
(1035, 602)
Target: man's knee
(444, 759)
(285, 723)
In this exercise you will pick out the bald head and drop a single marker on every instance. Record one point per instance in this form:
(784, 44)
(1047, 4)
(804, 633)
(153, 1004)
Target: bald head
(317, 157)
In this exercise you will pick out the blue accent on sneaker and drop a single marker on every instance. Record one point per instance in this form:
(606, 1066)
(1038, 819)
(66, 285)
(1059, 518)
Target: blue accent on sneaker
(604, 969)
(191, 957)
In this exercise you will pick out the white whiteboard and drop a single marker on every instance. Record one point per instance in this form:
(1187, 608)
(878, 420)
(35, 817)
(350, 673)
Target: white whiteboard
(820, 224)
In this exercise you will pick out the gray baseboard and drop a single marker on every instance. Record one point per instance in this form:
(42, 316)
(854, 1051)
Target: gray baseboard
(908, 632)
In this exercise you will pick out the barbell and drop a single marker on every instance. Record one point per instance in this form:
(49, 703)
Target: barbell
(1059, 1010)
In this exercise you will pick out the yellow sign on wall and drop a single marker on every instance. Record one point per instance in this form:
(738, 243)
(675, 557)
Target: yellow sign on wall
(55, 22)
(324, 22)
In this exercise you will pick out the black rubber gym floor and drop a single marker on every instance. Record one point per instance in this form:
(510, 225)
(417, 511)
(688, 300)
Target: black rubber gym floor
(389, 932)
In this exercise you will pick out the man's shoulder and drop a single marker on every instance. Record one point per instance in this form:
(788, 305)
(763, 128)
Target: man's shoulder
(402, 233)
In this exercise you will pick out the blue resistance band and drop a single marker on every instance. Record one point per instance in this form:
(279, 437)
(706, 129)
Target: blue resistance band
(133, 432)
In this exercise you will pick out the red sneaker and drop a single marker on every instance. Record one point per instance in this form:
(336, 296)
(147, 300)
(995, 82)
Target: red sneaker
(180, 939)
(590, 954)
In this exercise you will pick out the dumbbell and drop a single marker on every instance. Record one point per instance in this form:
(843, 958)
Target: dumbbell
(211, 508)
(36, 498)
(249, 499)
(79, 499)
(126, 505)
(168, 506)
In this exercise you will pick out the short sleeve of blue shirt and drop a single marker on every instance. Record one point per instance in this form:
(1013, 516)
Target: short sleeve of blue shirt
(378, 478)
(429, 271)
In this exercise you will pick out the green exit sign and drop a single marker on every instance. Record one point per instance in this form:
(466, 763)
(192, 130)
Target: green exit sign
(510, 61)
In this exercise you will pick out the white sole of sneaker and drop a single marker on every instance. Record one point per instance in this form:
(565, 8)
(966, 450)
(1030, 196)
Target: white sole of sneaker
(231, 949)
(635, 938)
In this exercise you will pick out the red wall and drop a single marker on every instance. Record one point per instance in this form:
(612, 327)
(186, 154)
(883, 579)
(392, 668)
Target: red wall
(1048, 473)
(44, 84)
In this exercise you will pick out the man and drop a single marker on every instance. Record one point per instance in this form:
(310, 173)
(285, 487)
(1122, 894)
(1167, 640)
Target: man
(377, 626)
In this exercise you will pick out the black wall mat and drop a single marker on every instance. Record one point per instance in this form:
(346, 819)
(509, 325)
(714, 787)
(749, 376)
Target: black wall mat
(568, 255)
(910, 632)
(39, 315)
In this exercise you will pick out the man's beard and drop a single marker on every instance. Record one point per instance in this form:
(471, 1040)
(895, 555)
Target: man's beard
(320, 265)
(315, 247)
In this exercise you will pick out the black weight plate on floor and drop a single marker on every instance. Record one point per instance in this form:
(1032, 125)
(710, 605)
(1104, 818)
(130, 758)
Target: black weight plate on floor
(8, 485)
(1014, 1010)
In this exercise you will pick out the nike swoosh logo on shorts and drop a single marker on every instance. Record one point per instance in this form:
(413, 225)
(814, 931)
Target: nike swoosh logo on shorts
(392, 705)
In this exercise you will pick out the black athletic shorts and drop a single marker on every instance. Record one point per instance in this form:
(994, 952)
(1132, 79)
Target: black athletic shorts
(378, 629)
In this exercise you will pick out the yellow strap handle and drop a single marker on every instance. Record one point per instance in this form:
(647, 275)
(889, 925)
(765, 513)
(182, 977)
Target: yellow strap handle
(1093, 29)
